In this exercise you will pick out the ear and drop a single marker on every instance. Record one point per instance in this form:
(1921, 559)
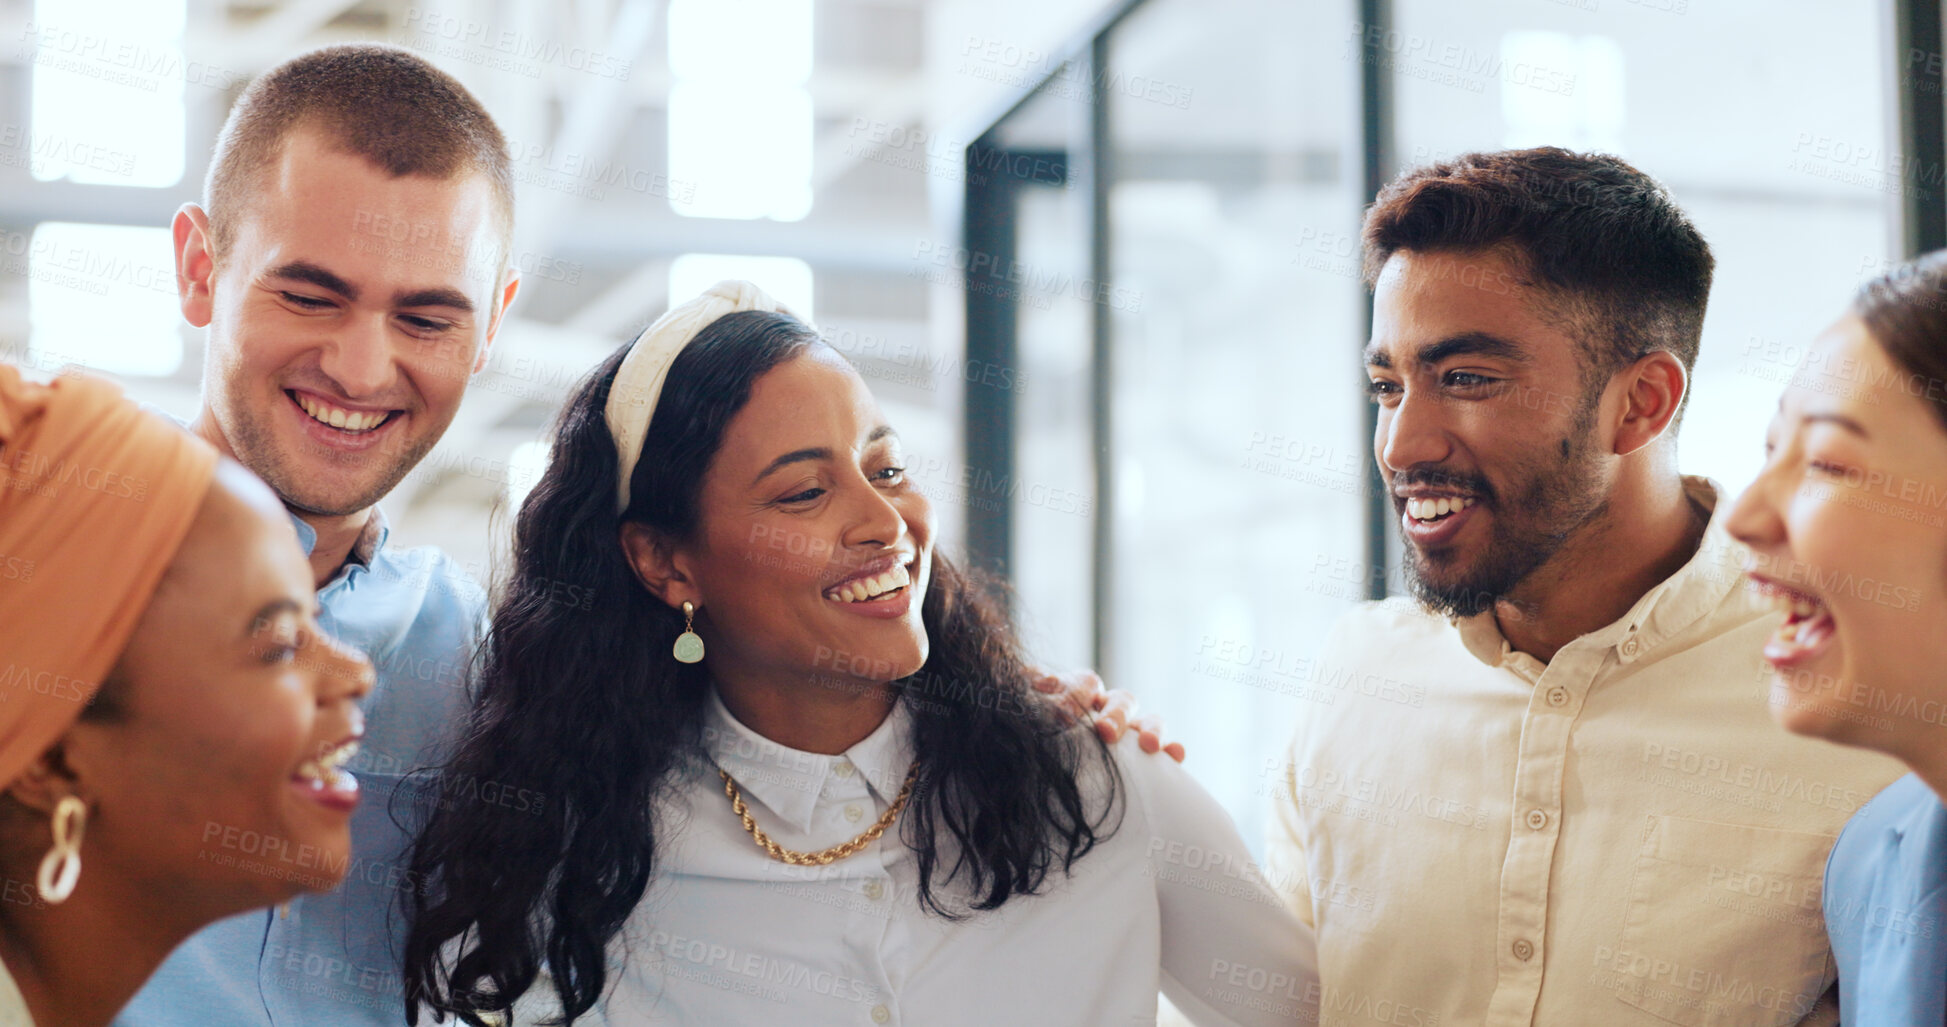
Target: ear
(45, 781)
(1654, 386)
(195, 264)
(501, 303)
(659, 566)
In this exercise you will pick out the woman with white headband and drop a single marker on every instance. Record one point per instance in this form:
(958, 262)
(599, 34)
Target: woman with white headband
(792, 767)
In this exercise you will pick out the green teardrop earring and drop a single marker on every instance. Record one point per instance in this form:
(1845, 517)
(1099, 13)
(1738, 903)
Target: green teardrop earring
(689, 645)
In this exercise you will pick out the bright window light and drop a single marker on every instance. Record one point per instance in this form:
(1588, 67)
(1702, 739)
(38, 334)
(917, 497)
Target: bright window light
(741, 40)
(103, 296)
(107, 105)
(524, 467)
(740, 117)
(787, 279)
(745, 150)
(1562, 90)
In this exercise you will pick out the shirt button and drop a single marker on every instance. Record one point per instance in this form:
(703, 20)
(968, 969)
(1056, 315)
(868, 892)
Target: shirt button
(1537, 819)
(1630, 648)
(881, 1014)
(874, 890)
(853, 812)
(1524, 950)
(844, 768)
(1558, 696)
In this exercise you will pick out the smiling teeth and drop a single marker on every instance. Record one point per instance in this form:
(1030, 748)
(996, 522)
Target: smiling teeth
(1431, 509)
(1799, 607)
(861, 589)
(328, 771)
(338, 417)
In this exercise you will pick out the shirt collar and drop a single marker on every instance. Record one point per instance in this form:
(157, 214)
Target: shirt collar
(1676, 602)
(790, 781)
(370, 539)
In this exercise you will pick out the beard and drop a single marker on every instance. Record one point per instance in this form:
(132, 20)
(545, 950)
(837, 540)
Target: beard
(1557, 493)
(282, 466)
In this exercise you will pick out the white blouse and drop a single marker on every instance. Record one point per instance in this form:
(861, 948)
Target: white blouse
(726, 935)
(13, 1006)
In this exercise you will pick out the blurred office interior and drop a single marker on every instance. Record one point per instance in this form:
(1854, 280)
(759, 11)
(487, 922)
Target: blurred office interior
(1099, 262)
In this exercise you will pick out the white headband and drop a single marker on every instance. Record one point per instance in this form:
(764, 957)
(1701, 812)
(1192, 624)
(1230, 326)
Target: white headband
(639, 381)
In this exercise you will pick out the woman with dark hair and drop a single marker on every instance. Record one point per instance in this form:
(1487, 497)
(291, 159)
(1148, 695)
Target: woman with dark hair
(1847, 525)
(792, 765)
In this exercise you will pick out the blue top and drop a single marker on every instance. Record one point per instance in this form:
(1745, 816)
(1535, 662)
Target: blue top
(334, 957)
(1886, 909)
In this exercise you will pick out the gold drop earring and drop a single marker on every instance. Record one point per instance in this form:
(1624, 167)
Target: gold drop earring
(689, 645)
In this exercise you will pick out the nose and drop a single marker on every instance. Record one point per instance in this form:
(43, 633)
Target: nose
(343, 672)
(1755, 517)
(1410, 433)
(359, 356)
(871, 517)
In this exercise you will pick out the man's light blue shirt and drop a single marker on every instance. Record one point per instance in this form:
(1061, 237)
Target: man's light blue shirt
(333, 958)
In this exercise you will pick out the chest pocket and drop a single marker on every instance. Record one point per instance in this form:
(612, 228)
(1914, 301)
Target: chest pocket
(1722, 925)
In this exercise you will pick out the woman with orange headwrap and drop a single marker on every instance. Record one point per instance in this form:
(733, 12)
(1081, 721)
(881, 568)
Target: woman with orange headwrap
(171, 716)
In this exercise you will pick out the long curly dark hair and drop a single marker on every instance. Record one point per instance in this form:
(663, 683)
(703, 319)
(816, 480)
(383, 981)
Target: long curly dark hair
(578, 703)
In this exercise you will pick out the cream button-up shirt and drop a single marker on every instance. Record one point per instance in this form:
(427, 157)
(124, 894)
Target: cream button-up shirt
(1620, 836)
(728, 936)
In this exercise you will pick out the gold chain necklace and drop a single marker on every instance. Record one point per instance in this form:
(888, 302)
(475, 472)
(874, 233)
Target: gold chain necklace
(828, 856)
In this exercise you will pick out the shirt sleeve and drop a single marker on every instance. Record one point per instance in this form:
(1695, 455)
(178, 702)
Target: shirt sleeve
(1286, 868)
(1284, 846)
(1232, 954)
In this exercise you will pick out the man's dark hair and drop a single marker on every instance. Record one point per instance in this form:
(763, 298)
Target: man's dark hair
(1628, 271)
(383, 103)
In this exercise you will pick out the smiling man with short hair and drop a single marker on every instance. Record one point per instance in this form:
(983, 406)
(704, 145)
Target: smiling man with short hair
(351, 269)
(1592, 819)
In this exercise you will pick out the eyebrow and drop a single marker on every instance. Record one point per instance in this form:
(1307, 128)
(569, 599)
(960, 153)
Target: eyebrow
(818, 453)
(1481, 344)
(1836, 418)
(305, 271)
(271, 609)
(434, 298)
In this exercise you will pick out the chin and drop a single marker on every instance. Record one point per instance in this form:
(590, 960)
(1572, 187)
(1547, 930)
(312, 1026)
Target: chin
(318, 490)
(862, 661)
(1452, 593)
(912, 665)
(1447, 566)
(317, 863)
(1799, 714)
(902, 662)
(1802, 702)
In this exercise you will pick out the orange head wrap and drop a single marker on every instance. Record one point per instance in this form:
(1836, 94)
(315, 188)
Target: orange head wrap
(96, 494)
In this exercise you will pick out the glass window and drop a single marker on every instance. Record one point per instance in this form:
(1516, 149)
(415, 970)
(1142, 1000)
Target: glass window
(108, 91)
(1040, 267)
(104, 297)
(740, 115)
(1236, 311)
